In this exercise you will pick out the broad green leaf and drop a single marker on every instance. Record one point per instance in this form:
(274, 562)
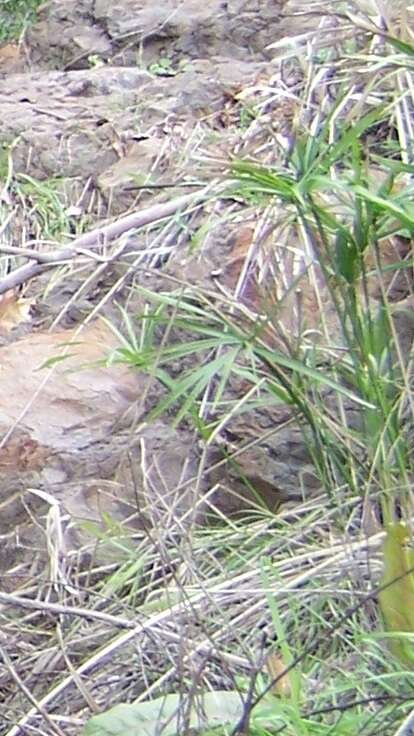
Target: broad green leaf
(162, 716)
(397, 598)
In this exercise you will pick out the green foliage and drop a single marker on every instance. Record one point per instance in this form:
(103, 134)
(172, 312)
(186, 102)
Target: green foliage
(14, 16)
(162, 68)
(238, 353)
(343, 199)
(397, 597)
(344, 217)
(45, 205)
(367, 212)
(164, 715)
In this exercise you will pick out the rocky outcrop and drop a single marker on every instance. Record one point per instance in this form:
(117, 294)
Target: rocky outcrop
(135, 33)
(117, 94)
(81, 123)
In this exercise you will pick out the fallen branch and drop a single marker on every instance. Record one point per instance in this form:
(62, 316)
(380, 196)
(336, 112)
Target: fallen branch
(57, 609)
(100, 236)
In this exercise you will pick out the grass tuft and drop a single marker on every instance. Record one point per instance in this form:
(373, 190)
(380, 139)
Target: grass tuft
(15, 15)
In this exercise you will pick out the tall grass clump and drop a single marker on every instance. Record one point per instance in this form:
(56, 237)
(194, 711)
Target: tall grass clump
(320, 322)
(338, 198)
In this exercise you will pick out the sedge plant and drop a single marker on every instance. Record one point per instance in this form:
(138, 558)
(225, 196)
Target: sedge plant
(347, 380)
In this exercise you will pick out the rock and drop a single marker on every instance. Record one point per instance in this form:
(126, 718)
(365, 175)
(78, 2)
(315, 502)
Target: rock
(157, 477)
(66, 432)
(67, 118)
(58, 424)
(130, 32)
(107, 124)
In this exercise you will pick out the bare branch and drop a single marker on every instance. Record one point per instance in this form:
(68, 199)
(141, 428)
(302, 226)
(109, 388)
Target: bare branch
(98, 236)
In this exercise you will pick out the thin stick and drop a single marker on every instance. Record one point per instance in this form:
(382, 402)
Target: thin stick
(37, 707)
(195, 601)
(100, 235)
(57, 608)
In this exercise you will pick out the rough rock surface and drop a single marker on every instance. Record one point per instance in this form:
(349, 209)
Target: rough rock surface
(66, 439)
(131, 32)
(55, 422)
(80, 123)
(109, 96)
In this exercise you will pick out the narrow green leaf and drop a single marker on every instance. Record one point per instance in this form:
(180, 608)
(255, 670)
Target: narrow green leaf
(397, 599)
(387, 205)
(346, 260)
(403, 46)
(299, 367)
(265, 179)
(351, 135)
(50, 362)
(191, 386)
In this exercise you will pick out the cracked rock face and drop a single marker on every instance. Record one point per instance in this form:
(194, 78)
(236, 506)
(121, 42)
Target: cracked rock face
(140, 32)
(82, 123)
(56, 421)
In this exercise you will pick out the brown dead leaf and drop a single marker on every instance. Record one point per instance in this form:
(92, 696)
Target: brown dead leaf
(13, 310)
(10, 58)
(241, 244)
(276, 667)
(9, 52)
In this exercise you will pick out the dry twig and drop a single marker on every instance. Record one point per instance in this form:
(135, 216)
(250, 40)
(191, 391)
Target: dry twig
(99, 236)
